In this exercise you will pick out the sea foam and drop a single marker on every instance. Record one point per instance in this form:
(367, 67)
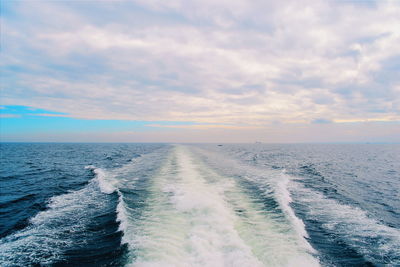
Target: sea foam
(196, 217)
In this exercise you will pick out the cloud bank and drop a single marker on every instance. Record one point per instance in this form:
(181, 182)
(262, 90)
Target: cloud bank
(240, 64)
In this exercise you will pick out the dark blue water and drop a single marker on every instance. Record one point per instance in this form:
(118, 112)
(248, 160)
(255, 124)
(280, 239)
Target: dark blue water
(53, 212)
(347, 195)
(136, 204)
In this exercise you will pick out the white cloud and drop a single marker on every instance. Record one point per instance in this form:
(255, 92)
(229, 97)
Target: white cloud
(240, 62)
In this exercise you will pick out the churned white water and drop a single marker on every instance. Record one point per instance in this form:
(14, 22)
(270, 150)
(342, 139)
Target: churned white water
(193, 216)
(200, 205)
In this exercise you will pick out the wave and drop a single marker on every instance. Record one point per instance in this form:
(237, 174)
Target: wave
(125, 181)
(18, 199)
(284, 197)
(376, 242)
(105, 183)
(57, 229)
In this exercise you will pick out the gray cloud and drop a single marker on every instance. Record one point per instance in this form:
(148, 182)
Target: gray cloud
(321, 121)
(205, 61)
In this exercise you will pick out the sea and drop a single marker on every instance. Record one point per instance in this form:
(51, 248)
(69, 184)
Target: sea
(86, 204)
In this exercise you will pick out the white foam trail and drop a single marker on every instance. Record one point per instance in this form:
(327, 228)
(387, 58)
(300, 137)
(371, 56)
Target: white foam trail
(192, 219)
(187, 223)
(271, 182)
(266, 231)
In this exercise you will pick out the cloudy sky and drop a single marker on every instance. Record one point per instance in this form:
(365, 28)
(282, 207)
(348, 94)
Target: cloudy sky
(200, 71)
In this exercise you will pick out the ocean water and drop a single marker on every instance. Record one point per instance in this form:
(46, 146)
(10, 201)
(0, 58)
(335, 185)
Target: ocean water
(199, 205)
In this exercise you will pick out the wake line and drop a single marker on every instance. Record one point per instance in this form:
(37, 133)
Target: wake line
(194, 217)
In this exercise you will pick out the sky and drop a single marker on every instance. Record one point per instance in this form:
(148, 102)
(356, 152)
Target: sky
(285, 71)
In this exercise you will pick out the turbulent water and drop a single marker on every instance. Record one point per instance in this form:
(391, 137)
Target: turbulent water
(199, 205)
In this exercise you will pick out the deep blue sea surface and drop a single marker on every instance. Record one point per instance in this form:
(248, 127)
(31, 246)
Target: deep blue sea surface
(199, 205)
